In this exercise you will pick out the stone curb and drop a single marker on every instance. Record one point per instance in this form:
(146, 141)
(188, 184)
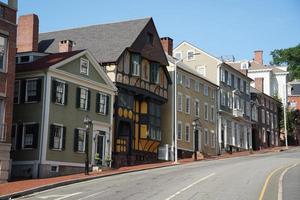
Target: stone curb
(68, 182)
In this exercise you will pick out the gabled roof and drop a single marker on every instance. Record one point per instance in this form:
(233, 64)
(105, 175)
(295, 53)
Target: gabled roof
(106, 42)
(254, 66)
(46, 61)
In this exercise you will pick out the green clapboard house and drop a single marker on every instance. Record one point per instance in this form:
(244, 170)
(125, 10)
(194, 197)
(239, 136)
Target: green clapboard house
(53, 94)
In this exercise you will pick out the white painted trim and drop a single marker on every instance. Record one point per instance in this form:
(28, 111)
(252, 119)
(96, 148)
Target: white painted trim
(23, 133)
(26, 95)
(179, 122)
(187, 125)
(189, 111)
(27, 162)
(206, 105)
(62, 135)
(197, 101)
(48, 162)
(187, 54)
(82, 60)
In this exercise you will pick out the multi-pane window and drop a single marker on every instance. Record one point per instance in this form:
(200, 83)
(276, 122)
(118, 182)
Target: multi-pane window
(83, 98)
(248, 109)
(59, 92)
(222, 75)
(84, 66)
(243, 105)
(223, 98)
(206, 93)
(58, 135)
(154, 123)
(179, 102)
(187, 105)
(226, 76)
(213, 140)
(229, 79)
(239, 83)
(135, 64)
(187, 82)
(178, 55)
(81, 137)
(179, 130)
(268, 118)
(263, 118)
(190, 55)
(32, 90)
(3, 52)
(212, 113)
(206, 137)
(197, 86)
(205, 111)
(232, 80)
(102, 103)
(17, 91)
(187, 132)
(179, 78)
(30, 134)
(154, 72)
(230, 100)
(197, 108)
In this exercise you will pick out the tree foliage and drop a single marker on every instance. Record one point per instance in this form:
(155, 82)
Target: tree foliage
(289, 57)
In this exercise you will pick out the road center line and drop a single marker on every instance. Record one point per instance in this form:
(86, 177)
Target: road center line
(280, 190)
(189, 186)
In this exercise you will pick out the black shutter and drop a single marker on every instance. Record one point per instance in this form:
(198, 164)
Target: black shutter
(76, 140)
(89, 100)
(107, 105)
(23, 91)
(78, 97)
(66, 94)
(54, 85)
(97, 103)
(19, 136)
(64, 138)
(51, 141)
(35, 135)
(38, 89)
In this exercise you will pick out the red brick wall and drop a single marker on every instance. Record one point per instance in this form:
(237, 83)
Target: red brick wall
(167, 44)
(9, 77)
(295, 99)
(258, 56)
(259, 84)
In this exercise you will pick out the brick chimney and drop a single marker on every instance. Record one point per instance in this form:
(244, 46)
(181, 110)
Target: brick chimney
(259, 84)
(28, 33)
(167, 44)
(258, 56)
(65, 46)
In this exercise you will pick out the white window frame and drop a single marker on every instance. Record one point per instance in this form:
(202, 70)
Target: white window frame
(86, 100)
(197, 109)
(61, 138)
(206, 90)
(213, 139)
(84, 138)
(179, 78)
(178, 52)
(179, 102)
(5, 56)
(83, 60)
(206, 116)
(187, 82)
(103, 95)
(206, 136)
(136, 69)
(201, 70)
(23, 134)
(26, 92)
(197, 86)
(19, 91)
(179, 138)
(193, 55)
(63, 94)
(187, 108)
(212, 113)
(187, 133)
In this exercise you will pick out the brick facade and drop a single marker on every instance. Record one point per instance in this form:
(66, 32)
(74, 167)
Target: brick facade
(294, 102)
(8, 29)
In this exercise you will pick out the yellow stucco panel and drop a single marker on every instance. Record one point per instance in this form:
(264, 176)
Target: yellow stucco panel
(144, 131)
(144, 107)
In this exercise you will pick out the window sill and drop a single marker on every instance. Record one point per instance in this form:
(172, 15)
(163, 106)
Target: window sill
(56, 149)
(27, 148)
(30, 102)
(59, 104)
(80, 152)
(102, 114)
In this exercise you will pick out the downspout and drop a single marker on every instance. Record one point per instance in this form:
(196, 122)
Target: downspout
(218, 150)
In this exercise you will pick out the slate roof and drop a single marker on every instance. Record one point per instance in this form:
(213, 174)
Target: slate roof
(45, 62)
(106, 42)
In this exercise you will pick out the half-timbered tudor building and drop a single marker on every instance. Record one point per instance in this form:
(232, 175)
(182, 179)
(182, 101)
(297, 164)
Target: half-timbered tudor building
(133, 58)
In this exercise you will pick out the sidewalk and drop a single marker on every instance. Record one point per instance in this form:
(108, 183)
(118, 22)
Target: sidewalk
(24, 187)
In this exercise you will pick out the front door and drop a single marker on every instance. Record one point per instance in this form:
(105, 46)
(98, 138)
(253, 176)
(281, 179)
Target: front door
(197, 148)
(100, 150)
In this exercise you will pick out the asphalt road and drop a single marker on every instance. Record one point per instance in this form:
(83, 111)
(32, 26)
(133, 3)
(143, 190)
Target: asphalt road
(245, 178)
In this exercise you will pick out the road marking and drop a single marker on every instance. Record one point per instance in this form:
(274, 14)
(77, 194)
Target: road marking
(262, 193)
(280, 190)
(61, 196)
(189, 186)
(86, 197)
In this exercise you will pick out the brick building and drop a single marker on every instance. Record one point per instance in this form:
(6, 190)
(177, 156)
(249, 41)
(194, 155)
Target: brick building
(8, 29)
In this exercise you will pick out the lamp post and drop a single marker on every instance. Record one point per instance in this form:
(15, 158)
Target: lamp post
(284, 115)
(88, 123)
(175, 107)
(196, 126)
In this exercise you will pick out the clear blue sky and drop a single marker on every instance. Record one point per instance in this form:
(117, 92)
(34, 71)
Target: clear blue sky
(227, 27)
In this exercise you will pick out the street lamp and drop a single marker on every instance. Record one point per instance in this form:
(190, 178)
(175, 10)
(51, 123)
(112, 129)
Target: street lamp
(196, 126)
(284, 102)
(88, 123)
(175, 106)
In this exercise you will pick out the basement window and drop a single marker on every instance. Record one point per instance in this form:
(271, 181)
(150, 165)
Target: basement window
(25, 59)
(54, 168)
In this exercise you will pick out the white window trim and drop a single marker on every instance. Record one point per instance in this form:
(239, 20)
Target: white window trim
(23, 133)
(187, 55)
(206, 137)
(206, 105)
(105, 103)
(179, 109)
(64, 92)
(187, 111)
(179, 122)
(187, 82)
(26, 94)
(213, 139)
(61, 138)
(178, 52)
(84, 138)
(136, 69)
(204, 93)
(5, 60)
(197, 83)
(57, 168)
(88, 66)
(197, 101)
(212, 115)
(19, 91)
(86, 100)
(187, 125)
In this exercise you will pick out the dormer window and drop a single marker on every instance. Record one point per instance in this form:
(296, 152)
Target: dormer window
(84, 66)
(190, 55)
(135, 64)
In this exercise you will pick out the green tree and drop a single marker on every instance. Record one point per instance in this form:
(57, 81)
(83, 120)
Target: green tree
(289, 57)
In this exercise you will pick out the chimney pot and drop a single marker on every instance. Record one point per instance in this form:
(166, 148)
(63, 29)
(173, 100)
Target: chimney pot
(65, 46)
(167, 44)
